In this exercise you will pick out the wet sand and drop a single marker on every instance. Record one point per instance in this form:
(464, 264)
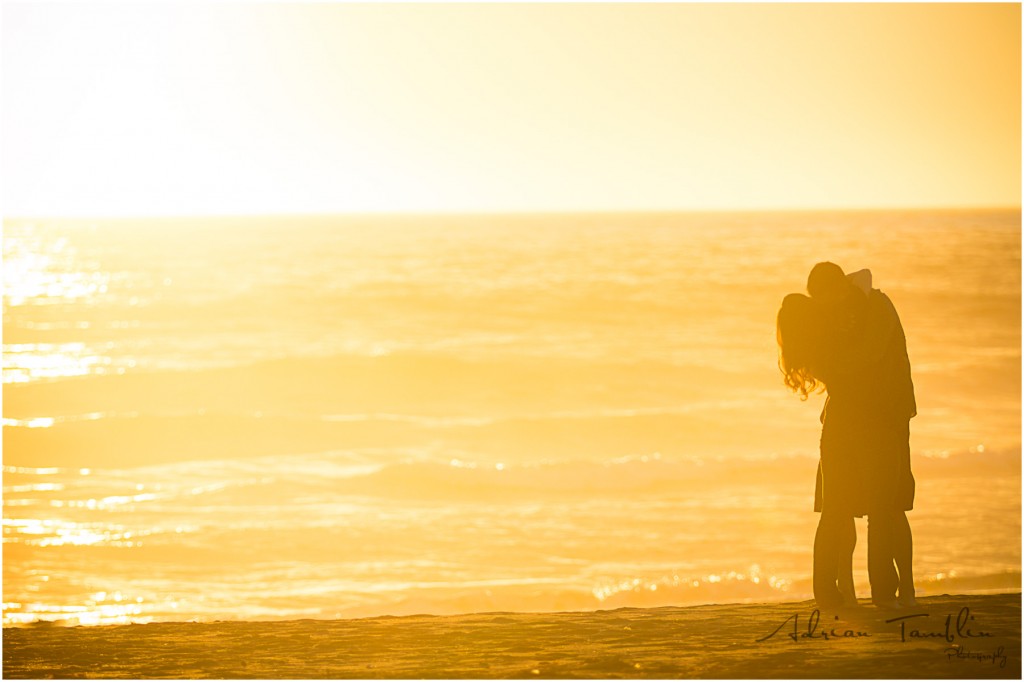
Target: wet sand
(717, 641)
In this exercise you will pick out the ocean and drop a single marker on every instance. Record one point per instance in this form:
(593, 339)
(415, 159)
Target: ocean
(319, 417)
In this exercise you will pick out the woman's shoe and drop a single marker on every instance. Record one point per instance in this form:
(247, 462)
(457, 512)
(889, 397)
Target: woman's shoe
(828, 597)
(850, 600)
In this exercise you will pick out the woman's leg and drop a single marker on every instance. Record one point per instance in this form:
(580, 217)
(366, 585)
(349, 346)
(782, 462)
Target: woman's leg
(827, 543)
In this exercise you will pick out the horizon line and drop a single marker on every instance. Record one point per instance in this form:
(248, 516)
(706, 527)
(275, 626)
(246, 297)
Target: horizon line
(495, 213)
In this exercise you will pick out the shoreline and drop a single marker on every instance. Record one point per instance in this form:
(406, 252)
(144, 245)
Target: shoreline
(945, 636)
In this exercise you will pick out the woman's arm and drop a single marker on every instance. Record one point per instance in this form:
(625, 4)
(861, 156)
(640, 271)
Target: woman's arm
(861, 279)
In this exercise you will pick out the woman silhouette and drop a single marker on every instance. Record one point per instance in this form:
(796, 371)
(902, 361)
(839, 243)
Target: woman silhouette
(807, 358)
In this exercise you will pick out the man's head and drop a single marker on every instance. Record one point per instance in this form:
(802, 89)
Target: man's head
(827, 283)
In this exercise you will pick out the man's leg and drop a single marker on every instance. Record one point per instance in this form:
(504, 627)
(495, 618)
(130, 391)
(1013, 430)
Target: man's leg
(903, 553)
(881, 569)
(847, 543)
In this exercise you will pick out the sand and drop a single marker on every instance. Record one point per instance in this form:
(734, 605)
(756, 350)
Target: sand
(718, 641)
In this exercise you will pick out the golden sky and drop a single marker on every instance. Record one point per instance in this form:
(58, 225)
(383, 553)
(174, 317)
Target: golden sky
(124, 109)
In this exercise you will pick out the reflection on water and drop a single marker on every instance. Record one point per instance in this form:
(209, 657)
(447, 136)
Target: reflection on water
(322, 419)
(330, 535)
(41, 271)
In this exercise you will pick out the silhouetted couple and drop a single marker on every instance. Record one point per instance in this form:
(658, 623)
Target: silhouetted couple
(847, 338)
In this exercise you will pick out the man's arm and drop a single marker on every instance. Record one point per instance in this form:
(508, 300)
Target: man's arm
(881, 326)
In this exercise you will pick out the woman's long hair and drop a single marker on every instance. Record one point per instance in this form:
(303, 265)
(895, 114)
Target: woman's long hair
(798, 330)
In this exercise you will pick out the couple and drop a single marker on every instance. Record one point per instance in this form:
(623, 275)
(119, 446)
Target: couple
(847, 338)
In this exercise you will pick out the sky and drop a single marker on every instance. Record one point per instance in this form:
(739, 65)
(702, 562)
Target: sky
(239, 108)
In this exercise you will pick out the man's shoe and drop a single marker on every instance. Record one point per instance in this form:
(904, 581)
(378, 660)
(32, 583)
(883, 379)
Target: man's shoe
(906, 601)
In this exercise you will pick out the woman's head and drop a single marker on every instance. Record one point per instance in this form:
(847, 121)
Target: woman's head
(798, 330)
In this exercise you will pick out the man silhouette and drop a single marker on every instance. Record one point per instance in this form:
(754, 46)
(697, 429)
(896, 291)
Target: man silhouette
(865, 328)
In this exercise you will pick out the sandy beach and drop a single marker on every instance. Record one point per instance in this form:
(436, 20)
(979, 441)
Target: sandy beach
(949, 636)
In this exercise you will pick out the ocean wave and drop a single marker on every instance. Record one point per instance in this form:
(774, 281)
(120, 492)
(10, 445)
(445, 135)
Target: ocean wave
(465, 477)
(348, 599)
